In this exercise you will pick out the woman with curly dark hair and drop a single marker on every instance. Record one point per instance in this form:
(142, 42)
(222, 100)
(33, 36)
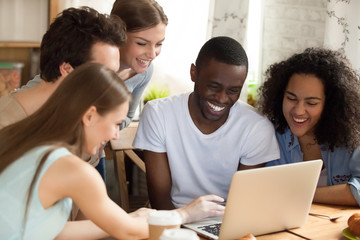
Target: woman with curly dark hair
(312, 99)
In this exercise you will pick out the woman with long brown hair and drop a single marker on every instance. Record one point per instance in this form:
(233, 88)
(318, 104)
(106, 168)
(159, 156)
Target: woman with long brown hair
(41, 171)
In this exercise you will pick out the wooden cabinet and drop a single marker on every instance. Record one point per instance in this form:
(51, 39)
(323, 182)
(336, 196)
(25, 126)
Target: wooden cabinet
(27, 52)
(24, 52)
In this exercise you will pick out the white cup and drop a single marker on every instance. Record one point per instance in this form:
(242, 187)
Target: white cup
(179, 234)
(160, 220)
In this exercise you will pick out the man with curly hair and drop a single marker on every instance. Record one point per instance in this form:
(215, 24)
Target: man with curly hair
(76, 36)
(312, 100)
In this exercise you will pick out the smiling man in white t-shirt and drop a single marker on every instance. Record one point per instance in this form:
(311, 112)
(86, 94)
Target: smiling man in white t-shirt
(193, 143)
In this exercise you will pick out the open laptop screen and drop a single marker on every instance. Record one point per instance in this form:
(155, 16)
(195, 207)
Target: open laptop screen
(266, 200)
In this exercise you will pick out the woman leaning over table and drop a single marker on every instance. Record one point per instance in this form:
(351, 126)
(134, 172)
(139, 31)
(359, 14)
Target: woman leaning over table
(145, 30)
(312, 99)
(41, 172)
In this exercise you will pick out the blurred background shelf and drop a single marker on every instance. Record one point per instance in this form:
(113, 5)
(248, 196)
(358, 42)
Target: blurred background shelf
(14, 44)
(24, 52)
(23, 25)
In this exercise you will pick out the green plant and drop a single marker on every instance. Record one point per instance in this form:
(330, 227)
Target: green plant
(155, 92)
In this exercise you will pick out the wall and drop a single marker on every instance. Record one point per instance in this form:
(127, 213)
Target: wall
(23, 20)
(230, 19)
(291, 26)
(102, 6)
(288, 26)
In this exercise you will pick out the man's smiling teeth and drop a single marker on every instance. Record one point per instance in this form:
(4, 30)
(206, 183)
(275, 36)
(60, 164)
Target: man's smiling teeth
(298, 120)
(215, 108)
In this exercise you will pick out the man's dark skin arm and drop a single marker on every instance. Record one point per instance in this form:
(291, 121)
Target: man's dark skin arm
(159, 182)
(245, 167)
(158, 178)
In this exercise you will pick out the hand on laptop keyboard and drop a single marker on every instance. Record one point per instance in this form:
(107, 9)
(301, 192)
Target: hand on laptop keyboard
(202, 207)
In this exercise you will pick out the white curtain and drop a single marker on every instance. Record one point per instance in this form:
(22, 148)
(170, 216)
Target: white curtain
(342, 31)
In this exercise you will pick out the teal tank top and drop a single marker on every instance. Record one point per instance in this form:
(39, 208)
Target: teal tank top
(15, 182)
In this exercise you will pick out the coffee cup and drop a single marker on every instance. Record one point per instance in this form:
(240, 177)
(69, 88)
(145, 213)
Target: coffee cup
(160, 220)
(179, 234)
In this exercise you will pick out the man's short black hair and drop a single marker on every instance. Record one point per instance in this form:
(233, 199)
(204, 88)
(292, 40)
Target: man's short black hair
(223, 49)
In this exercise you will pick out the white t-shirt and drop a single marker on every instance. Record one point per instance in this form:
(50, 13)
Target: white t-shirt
(200, 163)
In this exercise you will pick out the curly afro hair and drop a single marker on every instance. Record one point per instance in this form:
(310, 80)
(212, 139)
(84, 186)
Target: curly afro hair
(339, 122)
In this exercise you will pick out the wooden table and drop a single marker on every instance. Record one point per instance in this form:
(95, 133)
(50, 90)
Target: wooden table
(316, 227)
(123, 147)
(321, 228)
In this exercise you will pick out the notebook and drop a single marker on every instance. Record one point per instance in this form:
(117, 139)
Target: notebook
(264, 200)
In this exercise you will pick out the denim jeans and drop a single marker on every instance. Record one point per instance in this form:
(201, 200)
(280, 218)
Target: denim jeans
(101, 168)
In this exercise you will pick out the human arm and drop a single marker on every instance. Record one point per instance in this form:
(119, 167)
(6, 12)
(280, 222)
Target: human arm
(245, 167)
(73, 230)
(159, 190)
(343, 170)
(201, 207)
(336, 194)
(71, 177)
(158, 178)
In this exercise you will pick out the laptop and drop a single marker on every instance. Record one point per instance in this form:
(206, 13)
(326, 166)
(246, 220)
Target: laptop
(264, 200)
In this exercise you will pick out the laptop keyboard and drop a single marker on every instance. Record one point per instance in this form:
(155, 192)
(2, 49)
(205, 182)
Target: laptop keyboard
(213, 228)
